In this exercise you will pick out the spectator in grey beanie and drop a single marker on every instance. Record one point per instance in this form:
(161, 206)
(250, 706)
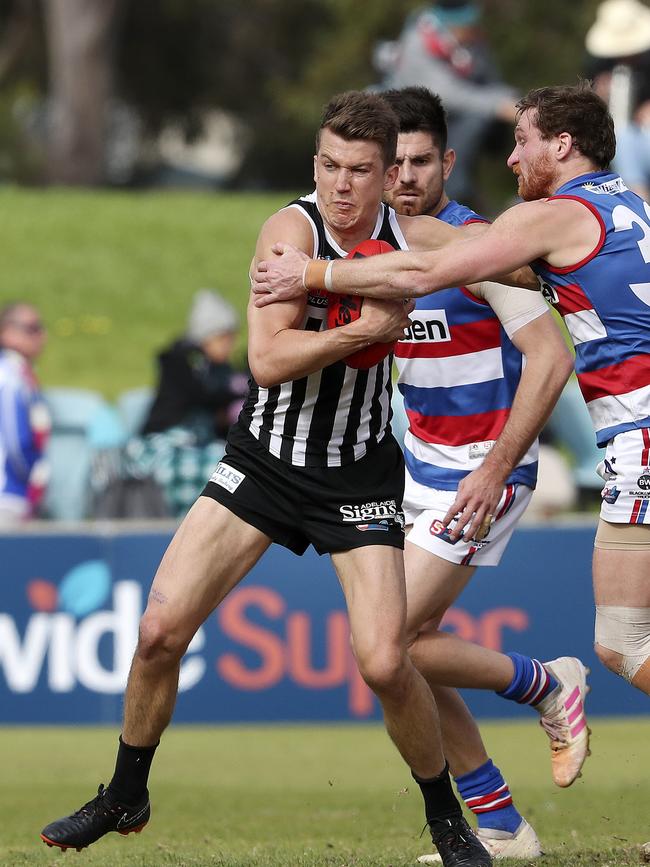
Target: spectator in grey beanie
(198, 388)
(210, 316)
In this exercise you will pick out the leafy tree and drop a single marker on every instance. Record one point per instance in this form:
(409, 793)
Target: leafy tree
(273, 63)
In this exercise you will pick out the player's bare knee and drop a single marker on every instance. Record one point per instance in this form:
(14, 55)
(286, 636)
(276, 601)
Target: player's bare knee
(384, 670)
(623, 639)
(157, 642)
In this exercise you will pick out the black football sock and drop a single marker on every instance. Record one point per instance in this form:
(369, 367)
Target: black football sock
(439, 799)
(129, 783)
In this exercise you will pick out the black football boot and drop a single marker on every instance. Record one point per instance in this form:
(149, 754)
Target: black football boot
(457, 844)
(95, 819)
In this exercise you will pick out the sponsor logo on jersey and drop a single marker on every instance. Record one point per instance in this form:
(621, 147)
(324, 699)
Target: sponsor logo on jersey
(428, 326)
(644, 480)
(382, 525)
(610, 495)
(639, 495)
(371, 513)
(606, 471)
(227, 477)
(438, 529)
(549, 293)
(608, 188)
(480, 450)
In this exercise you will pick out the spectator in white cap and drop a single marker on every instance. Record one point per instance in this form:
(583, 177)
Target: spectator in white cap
(618, 46)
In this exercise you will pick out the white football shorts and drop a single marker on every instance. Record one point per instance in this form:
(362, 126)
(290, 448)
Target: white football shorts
(626, 471)
(424, 509)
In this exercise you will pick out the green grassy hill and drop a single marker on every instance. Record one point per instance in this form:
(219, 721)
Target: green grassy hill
(114, 272)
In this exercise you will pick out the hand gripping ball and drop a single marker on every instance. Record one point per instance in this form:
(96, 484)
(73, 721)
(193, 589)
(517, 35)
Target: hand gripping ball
(343, 309)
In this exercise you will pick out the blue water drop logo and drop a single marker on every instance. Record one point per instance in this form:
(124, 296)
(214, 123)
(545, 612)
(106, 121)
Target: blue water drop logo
(85, 588)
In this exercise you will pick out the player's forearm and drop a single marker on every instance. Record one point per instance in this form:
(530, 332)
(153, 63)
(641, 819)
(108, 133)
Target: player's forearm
(292, 354)
(411, 275)
(540, 386)
(523, 278)
(392, 276)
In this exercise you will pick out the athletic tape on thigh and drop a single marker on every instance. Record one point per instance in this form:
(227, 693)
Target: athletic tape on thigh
(625, 631)
(622, 537)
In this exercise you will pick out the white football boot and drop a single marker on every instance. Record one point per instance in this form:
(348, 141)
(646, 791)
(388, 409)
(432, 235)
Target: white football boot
(564, 720)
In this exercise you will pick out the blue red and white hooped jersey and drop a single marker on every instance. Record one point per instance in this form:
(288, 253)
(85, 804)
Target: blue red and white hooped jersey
(24, 430)
(605, 303)
(458, 374)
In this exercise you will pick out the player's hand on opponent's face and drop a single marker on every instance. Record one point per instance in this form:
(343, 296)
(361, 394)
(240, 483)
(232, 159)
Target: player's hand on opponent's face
(385, 321)
(280, 278)
(475, 504)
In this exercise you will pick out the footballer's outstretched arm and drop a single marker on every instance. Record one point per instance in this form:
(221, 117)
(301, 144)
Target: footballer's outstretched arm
(423, 234)
(522, 234)
(511, 242)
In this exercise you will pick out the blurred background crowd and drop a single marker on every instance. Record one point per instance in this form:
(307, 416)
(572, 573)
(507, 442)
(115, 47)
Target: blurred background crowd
(143, 143)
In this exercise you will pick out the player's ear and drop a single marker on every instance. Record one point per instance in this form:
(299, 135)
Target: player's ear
(564, 144)
(315, 165)
(391, 176)
(448, 162)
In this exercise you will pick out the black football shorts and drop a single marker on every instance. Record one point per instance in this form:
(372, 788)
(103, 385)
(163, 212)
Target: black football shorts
(332, 508)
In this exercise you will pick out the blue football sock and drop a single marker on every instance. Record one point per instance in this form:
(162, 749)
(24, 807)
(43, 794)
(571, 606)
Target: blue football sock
(531, 681)
(487, 795)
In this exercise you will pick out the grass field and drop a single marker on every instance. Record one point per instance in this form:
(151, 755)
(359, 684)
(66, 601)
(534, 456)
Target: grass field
(311, 796)
(114, 272)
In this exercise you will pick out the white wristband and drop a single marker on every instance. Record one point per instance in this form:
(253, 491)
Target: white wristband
(327, 279)
(304, 274)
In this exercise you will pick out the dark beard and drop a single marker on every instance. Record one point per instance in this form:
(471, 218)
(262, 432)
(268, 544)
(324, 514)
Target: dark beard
(426, 205)
(540, 182)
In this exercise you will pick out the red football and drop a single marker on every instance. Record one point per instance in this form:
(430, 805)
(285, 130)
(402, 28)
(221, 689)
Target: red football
(343, 309)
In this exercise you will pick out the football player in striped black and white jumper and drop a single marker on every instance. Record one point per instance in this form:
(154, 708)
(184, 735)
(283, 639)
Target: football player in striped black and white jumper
(311, 460)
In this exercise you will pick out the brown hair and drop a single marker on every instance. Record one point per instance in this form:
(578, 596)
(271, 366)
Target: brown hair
(578, 111)
(358, 115)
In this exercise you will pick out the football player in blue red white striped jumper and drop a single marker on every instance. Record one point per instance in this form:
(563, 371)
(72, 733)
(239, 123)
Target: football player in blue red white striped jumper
(479, 370)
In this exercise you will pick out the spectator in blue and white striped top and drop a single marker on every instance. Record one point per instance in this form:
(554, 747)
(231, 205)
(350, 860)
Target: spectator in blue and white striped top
(24, 419)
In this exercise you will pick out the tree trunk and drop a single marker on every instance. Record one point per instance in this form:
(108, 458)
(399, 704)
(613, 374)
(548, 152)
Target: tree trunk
(80, 43)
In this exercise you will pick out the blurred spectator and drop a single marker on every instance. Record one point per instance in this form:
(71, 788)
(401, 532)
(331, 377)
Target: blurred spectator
(443, 47)
(198, 387)
(618, 46)
(556, 490)
(199, 396)
(24, 420)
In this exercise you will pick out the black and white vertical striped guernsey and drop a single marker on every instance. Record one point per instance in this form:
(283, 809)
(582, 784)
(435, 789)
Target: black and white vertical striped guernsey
(336, 415)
